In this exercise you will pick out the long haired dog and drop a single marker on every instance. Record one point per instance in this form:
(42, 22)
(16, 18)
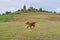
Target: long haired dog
(30, 24)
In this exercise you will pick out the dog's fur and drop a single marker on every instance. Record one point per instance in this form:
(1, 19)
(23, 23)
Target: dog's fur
(30, 24)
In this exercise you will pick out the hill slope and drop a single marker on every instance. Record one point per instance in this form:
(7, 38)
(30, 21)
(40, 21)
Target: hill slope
(47, 27)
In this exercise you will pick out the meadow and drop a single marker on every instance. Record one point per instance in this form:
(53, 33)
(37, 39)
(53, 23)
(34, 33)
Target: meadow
(13, 27)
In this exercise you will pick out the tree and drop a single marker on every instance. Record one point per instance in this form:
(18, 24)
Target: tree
(54, 11)
(3, 13)
(30, 9)
(0, 14)
(7, 12)
(40, 9)
(44, 11)
(24, 7)
(22, 10)
(18, 10)
(50, 11)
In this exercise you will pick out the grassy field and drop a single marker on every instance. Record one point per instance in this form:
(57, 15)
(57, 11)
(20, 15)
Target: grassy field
(47, 27)
(5, 18)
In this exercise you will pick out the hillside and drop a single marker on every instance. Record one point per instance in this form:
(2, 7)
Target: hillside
(13, 26)
(31, 16)
(6, 17)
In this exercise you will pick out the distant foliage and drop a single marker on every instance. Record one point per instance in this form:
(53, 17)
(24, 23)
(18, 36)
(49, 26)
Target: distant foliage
(30, 9)
(50, 12)
(22, 10)
(33, 10)
(44, 11)
(40, 10)
(54, 11)
(24, 7)
(18, 11)
(3, 13)
(0, 14)
(7, 12)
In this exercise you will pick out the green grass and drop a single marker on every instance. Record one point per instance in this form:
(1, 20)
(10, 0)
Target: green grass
(44, 30)
(6, 17)
(18, 31)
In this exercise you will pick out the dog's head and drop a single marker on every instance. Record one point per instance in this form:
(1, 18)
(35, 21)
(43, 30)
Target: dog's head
(27, 23)
(30, 22)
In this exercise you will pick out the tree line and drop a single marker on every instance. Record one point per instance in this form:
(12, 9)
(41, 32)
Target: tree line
(30, 9)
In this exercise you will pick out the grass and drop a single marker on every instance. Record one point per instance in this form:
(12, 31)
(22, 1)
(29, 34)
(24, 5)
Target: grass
(46, 29)
(6, 17)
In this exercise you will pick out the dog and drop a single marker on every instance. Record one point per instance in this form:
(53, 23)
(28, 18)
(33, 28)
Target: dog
(30, 24)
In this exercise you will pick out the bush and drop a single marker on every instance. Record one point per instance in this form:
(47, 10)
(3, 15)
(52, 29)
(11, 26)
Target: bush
(3, 14)
(54, 12)
(0, 14)
(24, 11)
(7, 12)
(40, 10)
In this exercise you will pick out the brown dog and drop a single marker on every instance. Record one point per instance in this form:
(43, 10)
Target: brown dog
(30, 24)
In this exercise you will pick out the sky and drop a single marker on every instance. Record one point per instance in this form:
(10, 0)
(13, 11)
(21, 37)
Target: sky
(13, 5)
